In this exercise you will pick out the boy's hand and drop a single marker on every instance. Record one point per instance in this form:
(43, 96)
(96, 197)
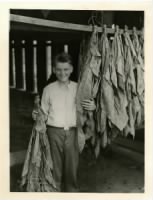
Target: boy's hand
(34, 115)
(88, 104)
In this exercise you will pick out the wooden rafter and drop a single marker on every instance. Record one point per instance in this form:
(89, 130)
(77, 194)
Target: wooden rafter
(60, 25)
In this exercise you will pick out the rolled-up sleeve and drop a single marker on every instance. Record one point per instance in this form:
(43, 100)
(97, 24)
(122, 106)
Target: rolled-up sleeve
(45, 101)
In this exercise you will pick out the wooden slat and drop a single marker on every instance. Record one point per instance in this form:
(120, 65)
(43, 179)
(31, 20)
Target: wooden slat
(48, 59)
(59, 25)
(13, 66)
(23, 67)
(35, 83)
(66, 48)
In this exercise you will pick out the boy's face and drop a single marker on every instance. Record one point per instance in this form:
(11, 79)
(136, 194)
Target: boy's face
(63, 71)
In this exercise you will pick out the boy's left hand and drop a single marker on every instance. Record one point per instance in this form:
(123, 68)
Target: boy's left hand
(88, 104)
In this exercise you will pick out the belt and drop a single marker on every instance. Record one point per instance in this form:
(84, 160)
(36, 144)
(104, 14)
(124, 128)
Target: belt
(64, 128)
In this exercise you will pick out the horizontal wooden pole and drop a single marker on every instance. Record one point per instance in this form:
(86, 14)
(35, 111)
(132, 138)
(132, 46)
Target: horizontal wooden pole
(17, 158)
(134, 145)
(59, 25)
(49, 23)
(128, 153)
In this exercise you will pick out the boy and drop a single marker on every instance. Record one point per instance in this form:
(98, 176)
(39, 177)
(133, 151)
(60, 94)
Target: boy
(58, 103)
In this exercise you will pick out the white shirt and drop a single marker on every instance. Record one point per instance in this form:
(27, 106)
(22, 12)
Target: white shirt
(59, 104)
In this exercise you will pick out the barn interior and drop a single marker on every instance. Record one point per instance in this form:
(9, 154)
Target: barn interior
(40, 30)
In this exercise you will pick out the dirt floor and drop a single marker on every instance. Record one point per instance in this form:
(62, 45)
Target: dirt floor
(110, 173)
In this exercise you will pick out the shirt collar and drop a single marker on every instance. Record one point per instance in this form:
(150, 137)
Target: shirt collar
(67, 86)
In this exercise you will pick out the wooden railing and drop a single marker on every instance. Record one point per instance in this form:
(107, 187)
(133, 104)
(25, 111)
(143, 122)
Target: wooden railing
(13, 66)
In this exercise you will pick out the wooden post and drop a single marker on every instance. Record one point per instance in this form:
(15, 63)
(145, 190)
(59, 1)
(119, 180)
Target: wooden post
(48, 59)
(35, 83)
(66, 48)
(23, 67)
(13, 66)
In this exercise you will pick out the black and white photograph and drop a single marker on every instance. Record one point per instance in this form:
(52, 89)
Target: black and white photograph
(76, 101)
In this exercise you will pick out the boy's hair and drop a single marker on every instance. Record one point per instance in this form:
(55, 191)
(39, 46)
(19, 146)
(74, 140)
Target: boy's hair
(62, 57)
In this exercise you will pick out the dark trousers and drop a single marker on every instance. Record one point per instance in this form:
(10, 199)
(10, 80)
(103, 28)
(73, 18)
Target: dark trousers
(65, 155)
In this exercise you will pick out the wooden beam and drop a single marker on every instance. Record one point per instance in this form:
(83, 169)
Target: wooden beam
(49, 23)
(60, 25)
(26, 27)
